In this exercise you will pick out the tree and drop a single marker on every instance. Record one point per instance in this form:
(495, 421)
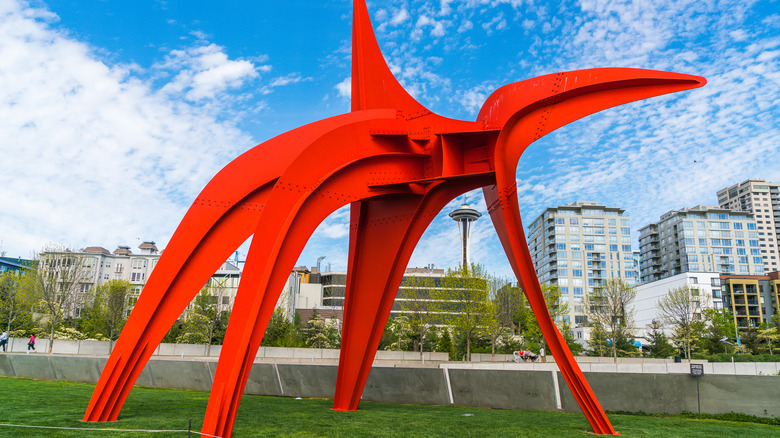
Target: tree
(206, 320)
(531, 331)
(418, 301)
(56, 284)
(467, 291)
(598, 344)
(509, 304)
(770, 335)
(283, 333)
(682, 307)
(445, 344)
(108, 311)
(11, 302)
(609, 310)
(719, 330)
(322, 333)
(494, 327)
(659, 343)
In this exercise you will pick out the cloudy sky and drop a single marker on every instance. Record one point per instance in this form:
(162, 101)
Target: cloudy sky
(113, 115)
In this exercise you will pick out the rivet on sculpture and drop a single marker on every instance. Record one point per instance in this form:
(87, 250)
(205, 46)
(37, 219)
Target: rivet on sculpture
(397, 165)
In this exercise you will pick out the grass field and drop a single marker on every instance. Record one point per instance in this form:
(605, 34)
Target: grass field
(62, 404)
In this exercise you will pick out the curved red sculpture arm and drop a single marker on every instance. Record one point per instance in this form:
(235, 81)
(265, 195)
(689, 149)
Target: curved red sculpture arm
(222, 217)
(316, 184)
(527, 111)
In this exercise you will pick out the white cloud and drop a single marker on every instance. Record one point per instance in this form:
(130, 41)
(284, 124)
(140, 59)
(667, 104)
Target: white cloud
(437, 27)
(344, 88)
(497, 23)
(93, 155)
(205, 71)
(399, 17)
(292, 78)
(465, 25)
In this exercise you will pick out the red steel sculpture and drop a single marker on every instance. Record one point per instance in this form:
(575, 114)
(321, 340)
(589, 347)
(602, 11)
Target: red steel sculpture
(397, 165)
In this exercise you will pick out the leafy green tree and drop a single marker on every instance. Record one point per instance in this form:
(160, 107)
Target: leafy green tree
(56, 285)
(206, 321)
(446, 345)
(12, 305)
(770, 335)
(417, 299)
(322, 334)
(719, 329)
(509, 301)
(493, 328)
(283, 333)
(598, 343)
(531, 332)
(467, 290)
(682, 307)
(107, 313)
(750, 340)
(610, 312)
(659, 346)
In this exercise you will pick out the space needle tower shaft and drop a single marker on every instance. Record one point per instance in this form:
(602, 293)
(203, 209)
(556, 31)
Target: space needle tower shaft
(464, 216)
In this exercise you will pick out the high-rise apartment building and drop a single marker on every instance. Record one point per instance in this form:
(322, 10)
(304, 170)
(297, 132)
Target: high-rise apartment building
(700, 239)
(762, 199)
(577, 247)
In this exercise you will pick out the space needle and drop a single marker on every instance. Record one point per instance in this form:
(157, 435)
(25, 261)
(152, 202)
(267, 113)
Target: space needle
(464, 216)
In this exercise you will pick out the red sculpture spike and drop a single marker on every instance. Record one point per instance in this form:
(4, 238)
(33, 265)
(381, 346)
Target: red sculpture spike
(373, 85)
(398, 165)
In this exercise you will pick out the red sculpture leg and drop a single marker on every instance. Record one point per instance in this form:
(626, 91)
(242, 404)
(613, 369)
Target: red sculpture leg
(525, 117)
(383, 235)
(278, 242)
(159, 307)
(378, 229)
(504, 212)
(222, 217)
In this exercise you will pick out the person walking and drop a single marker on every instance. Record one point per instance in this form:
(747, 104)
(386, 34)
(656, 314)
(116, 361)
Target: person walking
(31, 344)
(3, 340)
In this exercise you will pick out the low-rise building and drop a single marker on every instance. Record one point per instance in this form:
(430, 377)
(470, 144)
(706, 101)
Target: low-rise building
(14, 264)
(753, 299)
(647, 315)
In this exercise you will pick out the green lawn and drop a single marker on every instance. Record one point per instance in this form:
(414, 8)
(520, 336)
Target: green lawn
(44, 403)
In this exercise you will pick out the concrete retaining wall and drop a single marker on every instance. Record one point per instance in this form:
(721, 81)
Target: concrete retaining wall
(102, 348)
(500, 386)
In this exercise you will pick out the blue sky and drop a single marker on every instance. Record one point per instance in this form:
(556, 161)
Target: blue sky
(113, 115)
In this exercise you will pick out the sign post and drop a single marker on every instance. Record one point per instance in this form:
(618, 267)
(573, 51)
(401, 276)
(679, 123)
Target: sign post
(697, 370)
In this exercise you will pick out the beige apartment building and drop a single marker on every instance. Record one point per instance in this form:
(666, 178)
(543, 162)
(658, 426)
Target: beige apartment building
(762, 199)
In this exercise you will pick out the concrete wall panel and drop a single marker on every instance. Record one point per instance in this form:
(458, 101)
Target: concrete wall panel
(196, 350)
(299, 380)
(32, 366)
(63, 346)
(262, 380)
(166, 349)
(651, 393)
(180, 374)
(19, 345)
(6, 367)
(768, 368)
(94, 348)
(752, 395)
(424, 386)
(526, 390)
(76, 369)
